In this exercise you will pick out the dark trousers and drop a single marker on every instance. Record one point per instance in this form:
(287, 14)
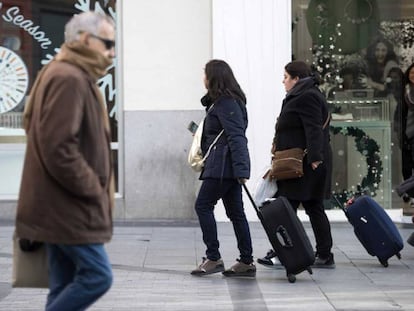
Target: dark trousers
(231, 194)
(320, 224)
(407, 157)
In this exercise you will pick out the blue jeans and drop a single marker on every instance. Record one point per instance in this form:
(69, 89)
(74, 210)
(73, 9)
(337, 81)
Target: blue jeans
(230, 192)
(78, 276)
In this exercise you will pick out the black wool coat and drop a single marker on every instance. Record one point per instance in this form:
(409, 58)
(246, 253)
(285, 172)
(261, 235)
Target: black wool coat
(229, 158)
(303, 114)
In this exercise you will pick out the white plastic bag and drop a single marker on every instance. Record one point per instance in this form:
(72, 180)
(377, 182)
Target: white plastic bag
(264, 189)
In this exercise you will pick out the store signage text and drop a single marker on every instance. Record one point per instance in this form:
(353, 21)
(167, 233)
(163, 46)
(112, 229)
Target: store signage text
(12, 16)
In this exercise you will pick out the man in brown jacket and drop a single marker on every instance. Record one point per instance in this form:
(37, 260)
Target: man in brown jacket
(66, 194)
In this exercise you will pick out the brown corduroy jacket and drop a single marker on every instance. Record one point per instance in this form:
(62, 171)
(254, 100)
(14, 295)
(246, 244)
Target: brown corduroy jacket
(65, 192)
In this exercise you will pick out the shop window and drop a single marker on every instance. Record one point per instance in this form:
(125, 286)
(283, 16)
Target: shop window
(360, 48)
(31, 33)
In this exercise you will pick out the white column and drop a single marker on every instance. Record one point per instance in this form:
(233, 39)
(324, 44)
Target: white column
(254, 37)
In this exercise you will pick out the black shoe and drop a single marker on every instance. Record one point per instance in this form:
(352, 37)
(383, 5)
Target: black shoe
(406, 198)
(270, 260)
(267, 260)
(324, 262)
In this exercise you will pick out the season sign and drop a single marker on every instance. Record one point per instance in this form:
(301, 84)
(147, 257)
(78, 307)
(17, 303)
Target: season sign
(12, 16)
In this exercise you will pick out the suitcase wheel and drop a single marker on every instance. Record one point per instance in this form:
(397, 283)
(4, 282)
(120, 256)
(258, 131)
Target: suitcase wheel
(399, 256)
(291, 278)
(309, 269)
(384, 262)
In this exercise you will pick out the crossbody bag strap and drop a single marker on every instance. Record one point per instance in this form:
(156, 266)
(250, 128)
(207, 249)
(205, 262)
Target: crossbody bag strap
(212, 144)
(327, 121)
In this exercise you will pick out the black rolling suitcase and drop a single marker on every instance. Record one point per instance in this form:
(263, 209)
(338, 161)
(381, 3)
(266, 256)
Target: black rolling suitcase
(373, 228)
(286, 235)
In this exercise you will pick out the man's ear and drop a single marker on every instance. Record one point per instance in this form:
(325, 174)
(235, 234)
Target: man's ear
(84, 38)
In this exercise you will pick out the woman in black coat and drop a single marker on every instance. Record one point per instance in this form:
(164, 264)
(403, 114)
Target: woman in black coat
(404, 120)
(304, 122)
(226, 168)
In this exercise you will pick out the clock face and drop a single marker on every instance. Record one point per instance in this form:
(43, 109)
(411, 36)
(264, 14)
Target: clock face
(14, 79)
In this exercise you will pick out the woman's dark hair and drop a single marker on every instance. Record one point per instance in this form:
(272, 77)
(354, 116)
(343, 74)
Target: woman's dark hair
(302, 70)
(372, 60)
(407, 73)
(221, 81)
(298, 69)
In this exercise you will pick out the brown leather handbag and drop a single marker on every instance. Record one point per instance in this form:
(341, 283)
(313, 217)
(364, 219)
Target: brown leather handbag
(288, 164)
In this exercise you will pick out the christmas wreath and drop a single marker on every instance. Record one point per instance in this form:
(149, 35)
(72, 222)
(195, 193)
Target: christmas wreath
(370, 149)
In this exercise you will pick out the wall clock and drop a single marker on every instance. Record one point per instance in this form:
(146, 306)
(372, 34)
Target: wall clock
(14, 79)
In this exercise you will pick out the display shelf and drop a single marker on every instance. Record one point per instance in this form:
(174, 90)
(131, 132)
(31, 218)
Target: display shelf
(360, 109)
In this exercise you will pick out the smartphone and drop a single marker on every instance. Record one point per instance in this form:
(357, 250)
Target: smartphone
(192, 127)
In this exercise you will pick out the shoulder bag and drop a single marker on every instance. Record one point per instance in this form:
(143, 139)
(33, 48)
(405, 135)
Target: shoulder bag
(195, 155)
(30, 268)
(288, 164)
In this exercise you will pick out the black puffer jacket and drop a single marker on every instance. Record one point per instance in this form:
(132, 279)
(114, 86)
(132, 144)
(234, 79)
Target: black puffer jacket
(304, 111)
(229, 158)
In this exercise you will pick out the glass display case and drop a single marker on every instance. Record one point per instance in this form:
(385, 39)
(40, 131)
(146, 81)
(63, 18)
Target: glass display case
(360, 109)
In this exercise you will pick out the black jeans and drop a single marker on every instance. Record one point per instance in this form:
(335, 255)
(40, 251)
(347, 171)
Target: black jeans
(320, 224)
(407, 157)
(231, 194)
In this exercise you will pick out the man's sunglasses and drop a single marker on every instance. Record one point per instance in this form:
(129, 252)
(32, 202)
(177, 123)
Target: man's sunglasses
(109, 44)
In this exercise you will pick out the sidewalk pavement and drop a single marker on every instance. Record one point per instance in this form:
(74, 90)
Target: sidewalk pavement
(152, 264)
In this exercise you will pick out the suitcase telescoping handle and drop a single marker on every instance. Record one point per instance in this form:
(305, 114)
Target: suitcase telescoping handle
(281, 233)
(341, 206)
(259, 214)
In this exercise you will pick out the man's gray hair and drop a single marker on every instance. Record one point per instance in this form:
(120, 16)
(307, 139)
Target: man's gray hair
(85, 22)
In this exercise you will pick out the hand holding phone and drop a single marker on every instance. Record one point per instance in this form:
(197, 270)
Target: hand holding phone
(192, 127)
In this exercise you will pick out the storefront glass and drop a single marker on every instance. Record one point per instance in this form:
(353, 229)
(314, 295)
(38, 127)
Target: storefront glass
(361, 48)
(31, 32)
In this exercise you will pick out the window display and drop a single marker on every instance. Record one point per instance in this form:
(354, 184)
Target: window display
(360, 49)
(31, 33)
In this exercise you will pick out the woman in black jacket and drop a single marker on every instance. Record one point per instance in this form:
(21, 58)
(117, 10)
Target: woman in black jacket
(226, 168)
(304, 122)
